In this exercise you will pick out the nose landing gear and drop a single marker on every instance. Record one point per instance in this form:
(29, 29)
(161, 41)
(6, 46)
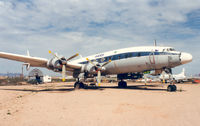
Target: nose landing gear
(122, 84)
(172, 87)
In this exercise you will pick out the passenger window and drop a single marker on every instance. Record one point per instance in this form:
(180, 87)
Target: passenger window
(135, 54)
(156, 53)
(114, 57)
(106, 59)
(126, 55)
(139, 54)
(143, 53)
(98, 60)
(130, 55)
(102, 59)
(122, 56)
(171, 49)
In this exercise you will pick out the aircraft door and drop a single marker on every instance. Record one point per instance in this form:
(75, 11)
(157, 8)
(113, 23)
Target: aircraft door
(170, 60)
(152, 60)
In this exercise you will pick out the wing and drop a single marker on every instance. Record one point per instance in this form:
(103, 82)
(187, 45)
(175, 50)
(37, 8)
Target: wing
(34, 61)
(73, 66)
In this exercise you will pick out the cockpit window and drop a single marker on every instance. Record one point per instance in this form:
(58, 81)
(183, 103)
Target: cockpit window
(171, 49)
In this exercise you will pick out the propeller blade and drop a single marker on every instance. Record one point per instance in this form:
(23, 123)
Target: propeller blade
(90, 62)
(54, 54)
(63, 73)
(99, 78)
(73, 56)
(106, 63)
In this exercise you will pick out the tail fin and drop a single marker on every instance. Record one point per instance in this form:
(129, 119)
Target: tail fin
(183, 72)
(28, 54)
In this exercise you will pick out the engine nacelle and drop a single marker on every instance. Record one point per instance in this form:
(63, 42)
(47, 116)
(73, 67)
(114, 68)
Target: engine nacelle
(54, 64)
(88, 68)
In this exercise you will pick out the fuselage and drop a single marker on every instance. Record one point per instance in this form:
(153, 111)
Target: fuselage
(121, 61)
(138, 59)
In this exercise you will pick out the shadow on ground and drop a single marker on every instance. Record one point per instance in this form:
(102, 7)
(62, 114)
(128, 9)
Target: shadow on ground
(42, 90)
(68, 88)
(135, 87)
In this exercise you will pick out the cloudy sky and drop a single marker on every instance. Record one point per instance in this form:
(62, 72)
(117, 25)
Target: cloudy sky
(92, 26)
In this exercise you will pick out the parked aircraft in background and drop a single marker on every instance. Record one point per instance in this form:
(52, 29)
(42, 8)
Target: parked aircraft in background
(177, 77)
(127, 63)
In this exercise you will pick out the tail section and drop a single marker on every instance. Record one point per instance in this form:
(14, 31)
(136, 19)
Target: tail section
(28, 54)
(183, 72)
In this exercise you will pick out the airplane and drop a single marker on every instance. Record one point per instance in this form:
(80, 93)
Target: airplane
(177, 77)
(126, 63)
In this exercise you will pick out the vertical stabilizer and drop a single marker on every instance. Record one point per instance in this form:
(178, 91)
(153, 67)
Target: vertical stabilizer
(183, 72)
(28, 54)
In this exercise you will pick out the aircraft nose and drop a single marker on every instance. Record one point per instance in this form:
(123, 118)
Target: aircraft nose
(185, 58)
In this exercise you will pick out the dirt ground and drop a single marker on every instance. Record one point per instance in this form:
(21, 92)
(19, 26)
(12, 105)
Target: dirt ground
(59, 105)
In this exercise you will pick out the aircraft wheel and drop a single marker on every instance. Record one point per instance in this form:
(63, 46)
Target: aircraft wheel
(171, 88)
(122, 84)
(78, 85)
(119, 84)
(174, 87)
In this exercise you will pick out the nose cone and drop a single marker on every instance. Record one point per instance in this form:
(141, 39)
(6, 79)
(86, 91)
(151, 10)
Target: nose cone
(186, 58)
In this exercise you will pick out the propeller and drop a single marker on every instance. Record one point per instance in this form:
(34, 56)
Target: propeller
(63, 72)
(63, 62)
(72, 57)
(98, 68)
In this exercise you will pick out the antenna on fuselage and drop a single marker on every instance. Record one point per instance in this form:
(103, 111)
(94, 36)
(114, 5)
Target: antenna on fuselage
(155, 43)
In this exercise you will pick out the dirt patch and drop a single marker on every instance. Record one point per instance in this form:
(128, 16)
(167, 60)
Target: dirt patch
(59, 104)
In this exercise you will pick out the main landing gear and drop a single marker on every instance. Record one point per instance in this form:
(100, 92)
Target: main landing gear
(122, 84)
(78, 85)
(171, 88)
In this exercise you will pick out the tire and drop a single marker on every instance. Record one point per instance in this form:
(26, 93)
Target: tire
(122, 84)
(171, 88)
(82, 85)
(78, 85)
(174, 87)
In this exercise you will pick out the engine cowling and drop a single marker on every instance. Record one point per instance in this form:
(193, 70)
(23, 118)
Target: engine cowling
(54, 64)
(92, 69)
(89, 68)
